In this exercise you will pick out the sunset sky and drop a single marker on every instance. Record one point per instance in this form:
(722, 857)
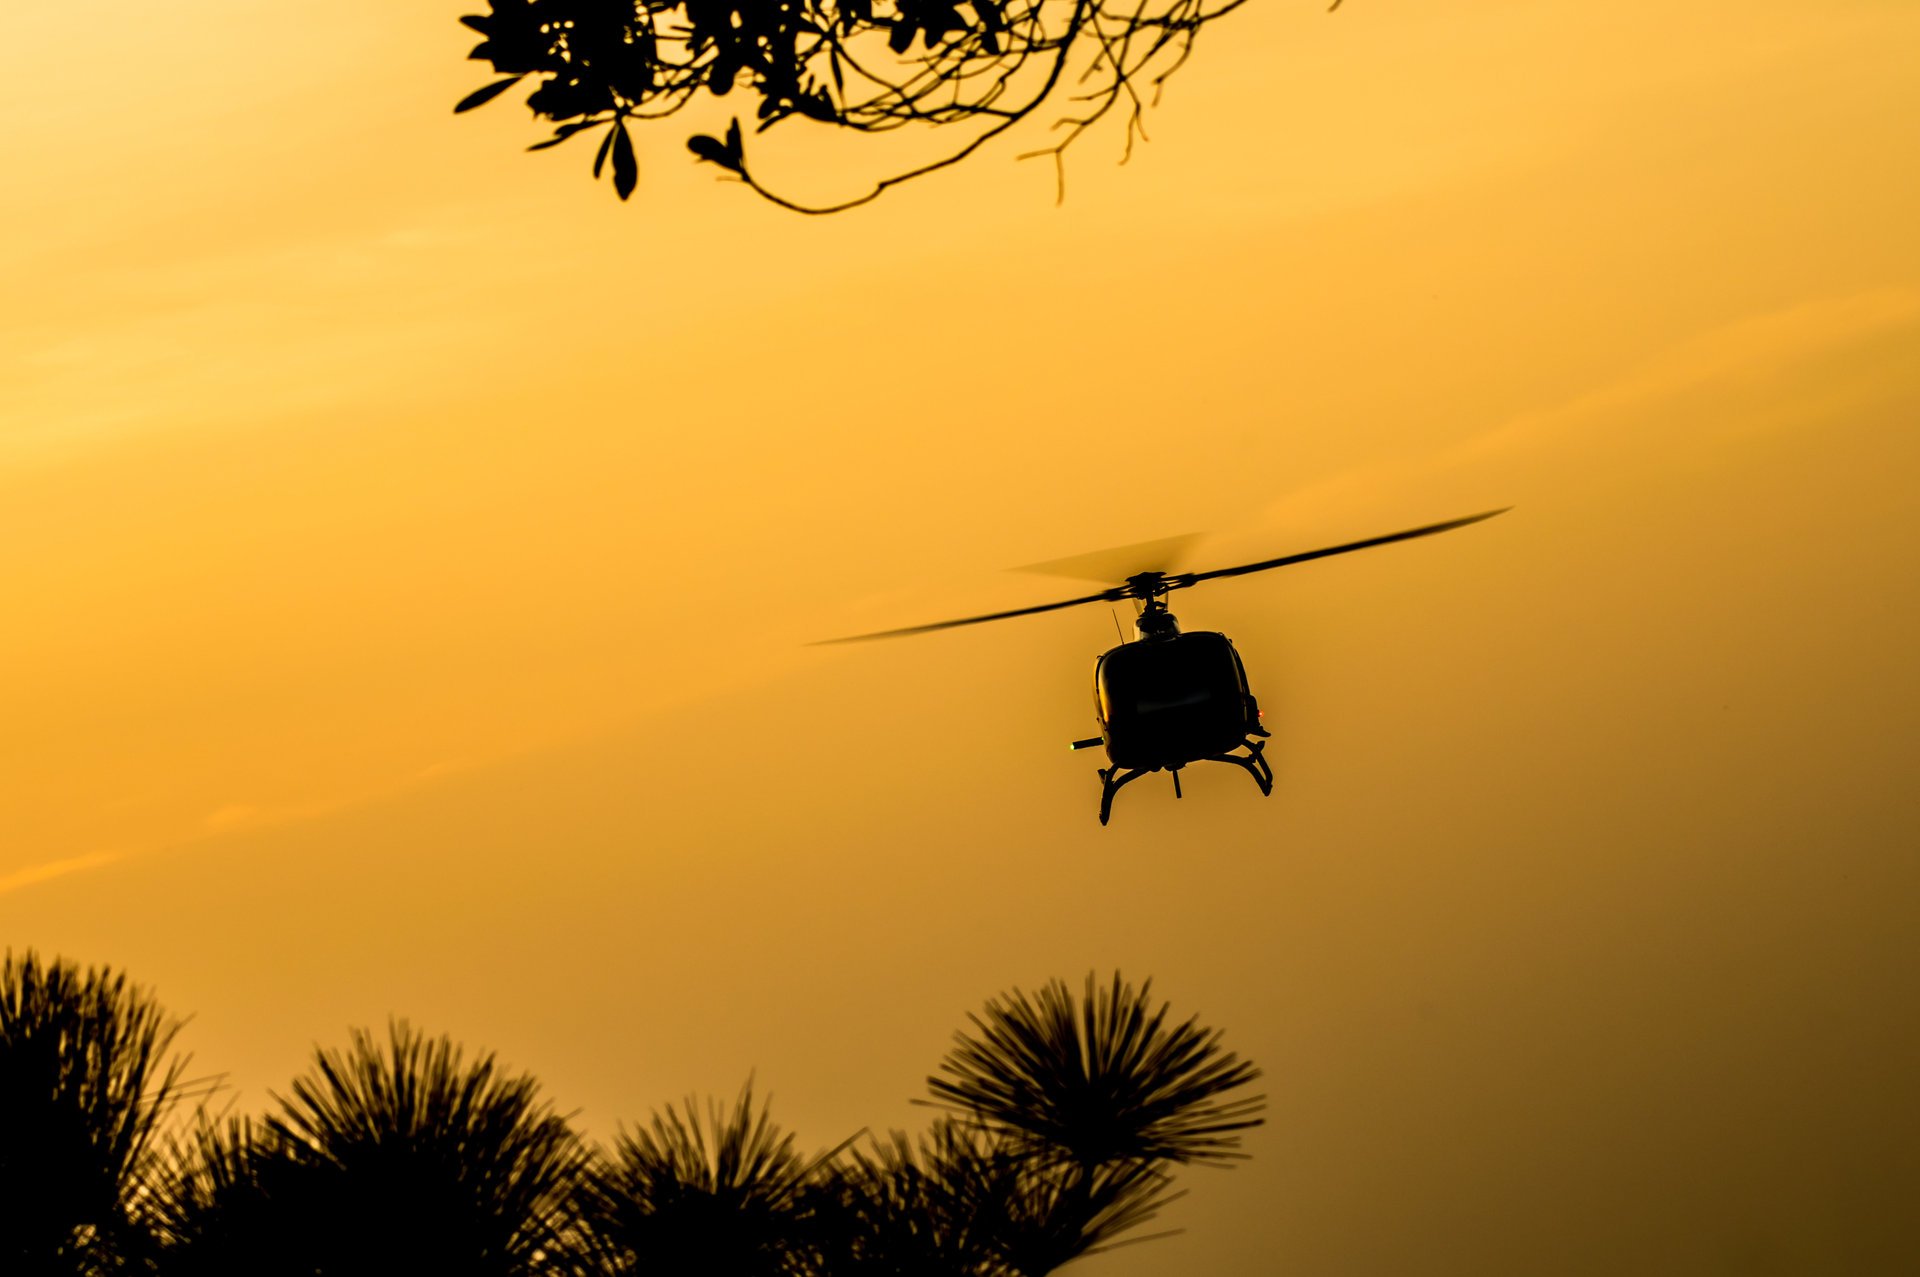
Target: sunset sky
(408, 554)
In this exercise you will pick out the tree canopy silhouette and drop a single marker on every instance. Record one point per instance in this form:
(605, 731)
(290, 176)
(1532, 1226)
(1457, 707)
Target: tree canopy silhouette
(1062, 1121)
(725, 1197)
(87, 1075)
(969, 70)
(399, 1157)
(1106, 1081)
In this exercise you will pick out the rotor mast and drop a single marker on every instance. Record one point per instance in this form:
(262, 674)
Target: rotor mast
(1153, 621)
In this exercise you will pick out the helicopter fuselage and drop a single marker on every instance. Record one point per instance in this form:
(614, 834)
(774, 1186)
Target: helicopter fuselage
(1168, 699)
(1164, 702)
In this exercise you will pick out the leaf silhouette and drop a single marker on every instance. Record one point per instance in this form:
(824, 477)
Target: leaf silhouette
(626, 170)
(713, 150)
(480, 97)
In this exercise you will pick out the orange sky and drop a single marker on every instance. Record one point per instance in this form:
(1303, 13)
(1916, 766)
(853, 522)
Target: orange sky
(406, 551)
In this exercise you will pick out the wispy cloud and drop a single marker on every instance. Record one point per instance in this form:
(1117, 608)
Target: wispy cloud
(229, 818)
(1769, 348)
(240, 818)
(1756, 346)
(35, 874)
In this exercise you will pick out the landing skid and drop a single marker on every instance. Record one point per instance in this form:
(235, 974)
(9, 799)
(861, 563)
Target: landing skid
(1253, 762)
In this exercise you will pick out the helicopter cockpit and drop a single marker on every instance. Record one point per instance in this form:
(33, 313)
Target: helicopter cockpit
(1175, 699)
(1171, 700)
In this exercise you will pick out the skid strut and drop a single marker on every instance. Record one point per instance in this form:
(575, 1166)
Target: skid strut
(1253, 762)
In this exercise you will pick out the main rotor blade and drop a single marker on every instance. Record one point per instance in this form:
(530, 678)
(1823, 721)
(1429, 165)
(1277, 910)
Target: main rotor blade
(1194, 578)
(1120, 562)
(1180, 582)
(1105, 596)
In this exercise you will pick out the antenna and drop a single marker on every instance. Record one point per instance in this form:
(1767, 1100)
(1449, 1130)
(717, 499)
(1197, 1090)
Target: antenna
(1116, 625)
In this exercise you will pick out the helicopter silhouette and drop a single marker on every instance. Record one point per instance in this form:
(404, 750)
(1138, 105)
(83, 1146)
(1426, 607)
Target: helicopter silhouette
(1166, 698)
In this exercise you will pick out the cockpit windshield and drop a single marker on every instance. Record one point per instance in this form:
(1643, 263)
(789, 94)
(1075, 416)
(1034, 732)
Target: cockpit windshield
(1153, 679)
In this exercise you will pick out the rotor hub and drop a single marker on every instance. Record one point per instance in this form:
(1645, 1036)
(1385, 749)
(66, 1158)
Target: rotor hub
(1147, 586)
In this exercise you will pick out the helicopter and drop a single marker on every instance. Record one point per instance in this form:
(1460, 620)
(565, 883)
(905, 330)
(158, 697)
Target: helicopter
(1167, 698)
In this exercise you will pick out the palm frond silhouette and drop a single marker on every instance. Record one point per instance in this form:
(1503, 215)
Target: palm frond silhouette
(215, 1211)
(967, 1201)
(402, 1157)
(931, 1206)
(87, 1075)
(726, 1195)
(1064, 1119)
(1110, 1080)
(1066, 1116)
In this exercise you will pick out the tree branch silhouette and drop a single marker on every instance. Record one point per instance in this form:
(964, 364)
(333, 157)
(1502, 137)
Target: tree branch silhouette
(860, 66)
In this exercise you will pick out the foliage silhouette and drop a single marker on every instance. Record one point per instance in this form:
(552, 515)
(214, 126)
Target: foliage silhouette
(967, 1200)
(87, 1074)
(402, 1155)
(902, 1206)
(865, 66)
(394, 1158)
(728, 1197)
(1069, 1117)
(1108, 1081)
